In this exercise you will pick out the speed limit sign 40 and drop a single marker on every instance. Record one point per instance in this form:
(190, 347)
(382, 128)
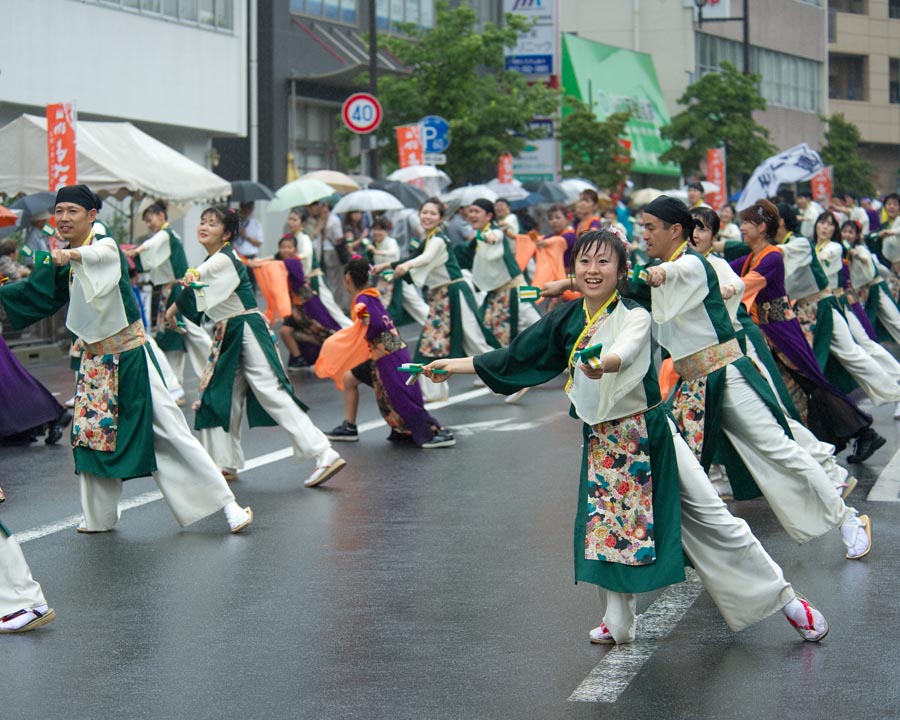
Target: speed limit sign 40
(362, 113)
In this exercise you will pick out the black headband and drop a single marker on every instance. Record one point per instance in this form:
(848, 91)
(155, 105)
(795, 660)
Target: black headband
(78, 194)
(695, 186)
(484, 204)
(670, 210)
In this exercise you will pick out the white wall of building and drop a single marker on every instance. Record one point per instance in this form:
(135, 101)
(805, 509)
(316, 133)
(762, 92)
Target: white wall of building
(124, 65)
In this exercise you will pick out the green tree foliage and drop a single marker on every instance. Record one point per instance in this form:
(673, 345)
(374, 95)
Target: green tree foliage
(457, 72)
(719, 111)
(841, 150)
(590, 147)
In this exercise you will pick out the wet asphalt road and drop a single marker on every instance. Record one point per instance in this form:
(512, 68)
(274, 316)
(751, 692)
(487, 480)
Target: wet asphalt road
(417, 584)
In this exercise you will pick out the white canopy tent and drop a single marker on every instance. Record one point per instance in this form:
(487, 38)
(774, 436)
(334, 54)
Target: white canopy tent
(114, 158)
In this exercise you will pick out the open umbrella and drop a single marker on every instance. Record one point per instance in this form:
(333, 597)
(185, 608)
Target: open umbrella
(573, 187)
(550, 191)
(420, 172)
(644, 196)
(530, 200)
(362, 180)
(304, 191)
(470, 193)
(34, 204)
(341, 182)
(511, 191)
(250, 191)
(367, 201)
(409, 195)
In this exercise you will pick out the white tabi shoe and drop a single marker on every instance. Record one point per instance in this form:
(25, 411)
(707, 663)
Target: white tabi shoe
(601, 635)
(27, 619)
(239, 520)
(856, 533)
(328, 464)
(805, 619)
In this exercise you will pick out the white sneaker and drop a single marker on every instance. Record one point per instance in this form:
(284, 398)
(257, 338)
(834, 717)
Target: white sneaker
(601, 635)
(805, 619)
(328, 464)
(856, 532)
(70, 403)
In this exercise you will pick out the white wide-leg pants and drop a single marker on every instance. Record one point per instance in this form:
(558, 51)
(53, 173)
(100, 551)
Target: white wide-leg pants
(190, 482)
(745, 583)
(18, 590)
(255, 373)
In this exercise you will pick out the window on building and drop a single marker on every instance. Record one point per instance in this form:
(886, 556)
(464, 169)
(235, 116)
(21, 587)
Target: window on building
(389, 13)
(345, 11)
(894, 81)
(787, 81)
(847, 77)
(857, 7)
(218, 14)
(314, 143)
(894, 8)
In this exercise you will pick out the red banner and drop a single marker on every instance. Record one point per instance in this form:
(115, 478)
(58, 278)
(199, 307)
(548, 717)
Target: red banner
(409, 146)
(61, 147)
(715, 173)
(505, 169)
(820, 186)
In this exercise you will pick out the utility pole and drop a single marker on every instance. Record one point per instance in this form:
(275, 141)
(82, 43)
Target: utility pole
(372, 138)
(745, 18)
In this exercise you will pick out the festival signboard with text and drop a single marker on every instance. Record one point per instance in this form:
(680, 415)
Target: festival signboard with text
(61, 145)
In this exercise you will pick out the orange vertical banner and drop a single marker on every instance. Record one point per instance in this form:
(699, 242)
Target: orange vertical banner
(715, 173)
(409, 145)
(505, 169)
(61, 145)
(820, 186)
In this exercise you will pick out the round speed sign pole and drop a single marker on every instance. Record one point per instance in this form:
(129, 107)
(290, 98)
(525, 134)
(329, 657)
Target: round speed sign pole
(362, 113)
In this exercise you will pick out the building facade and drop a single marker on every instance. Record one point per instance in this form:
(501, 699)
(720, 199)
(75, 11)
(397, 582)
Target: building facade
(177, 70)
(864, 79)
(787, 47)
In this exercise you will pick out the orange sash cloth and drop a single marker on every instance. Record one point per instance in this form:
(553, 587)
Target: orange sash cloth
(668, 378)
(548, 261)
(272, 279)
(347, 348)
(525, 250)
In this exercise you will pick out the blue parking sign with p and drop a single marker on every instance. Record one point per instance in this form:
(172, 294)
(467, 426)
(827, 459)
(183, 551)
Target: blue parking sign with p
(435, 134)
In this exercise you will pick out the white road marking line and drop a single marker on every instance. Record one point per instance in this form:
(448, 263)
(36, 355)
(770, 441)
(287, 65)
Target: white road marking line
(74, 520)
(622, 663)
(887, 487)
(259, 461)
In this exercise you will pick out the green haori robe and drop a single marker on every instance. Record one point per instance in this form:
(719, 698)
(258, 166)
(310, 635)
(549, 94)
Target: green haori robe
(459, 292)
(225, 359)
(539, 354)
(705, 410)
(42, 294)
(169, 340)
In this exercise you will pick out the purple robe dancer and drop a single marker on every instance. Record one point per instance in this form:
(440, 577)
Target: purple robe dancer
(26, 403)
(400, 404)
(832, 416)
(312, 308)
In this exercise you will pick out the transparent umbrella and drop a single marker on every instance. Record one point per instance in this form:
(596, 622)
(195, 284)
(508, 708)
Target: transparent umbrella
(300, 192)
(367, 201)
(339, 181)
(468, 194)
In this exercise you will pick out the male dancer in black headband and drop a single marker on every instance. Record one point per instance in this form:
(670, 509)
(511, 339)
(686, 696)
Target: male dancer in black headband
(734, 409)
(126, 424)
